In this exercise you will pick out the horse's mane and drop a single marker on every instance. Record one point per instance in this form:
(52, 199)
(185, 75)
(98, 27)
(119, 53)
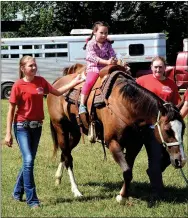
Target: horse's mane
(64, 73)
(56, 80)
(145, 100)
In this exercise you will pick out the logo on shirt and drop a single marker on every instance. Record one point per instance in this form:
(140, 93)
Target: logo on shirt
(40, 90)
(166, 89)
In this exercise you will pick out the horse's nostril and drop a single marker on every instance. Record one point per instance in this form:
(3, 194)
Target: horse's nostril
(177, 162)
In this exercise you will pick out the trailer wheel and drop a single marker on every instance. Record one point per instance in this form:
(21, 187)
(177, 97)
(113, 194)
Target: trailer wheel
(6, 90)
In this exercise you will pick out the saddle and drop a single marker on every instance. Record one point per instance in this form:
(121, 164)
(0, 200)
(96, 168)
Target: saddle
(98, 95)
(101, 89)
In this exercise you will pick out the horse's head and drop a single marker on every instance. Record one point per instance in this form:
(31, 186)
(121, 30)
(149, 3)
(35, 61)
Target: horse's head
(170, 133)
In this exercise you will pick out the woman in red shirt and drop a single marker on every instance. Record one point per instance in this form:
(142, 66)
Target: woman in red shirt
(27, 95)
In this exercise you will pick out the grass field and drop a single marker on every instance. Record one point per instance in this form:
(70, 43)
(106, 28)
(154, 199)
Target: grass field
(98, 180)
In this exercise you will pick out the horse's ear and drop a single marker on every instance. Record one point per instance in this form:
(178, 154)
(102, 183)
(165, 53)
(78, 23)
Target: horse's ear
(71, 69)
(74, 68)
(162, 109)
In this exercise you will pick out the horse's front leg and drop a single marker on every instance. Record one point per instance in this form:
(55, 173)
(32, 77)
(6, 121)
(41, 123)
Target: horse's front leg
(118, 156)
(60, 142)
(67, 142)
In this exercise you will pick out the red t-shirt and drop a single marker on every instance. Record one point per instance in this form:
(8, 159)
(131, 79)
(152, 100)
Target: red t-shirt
(165, 89)
(186, 95)
(28, 96)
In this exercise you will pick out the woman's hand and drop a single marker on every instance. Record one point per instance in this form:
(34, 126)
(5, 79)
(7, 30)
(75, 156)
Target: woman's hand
(8, 140)
(78, 79)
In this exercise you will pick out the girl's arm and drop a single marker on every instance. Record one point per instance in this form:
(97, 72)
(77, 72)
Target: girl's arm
(112, 52)
(10, 116)
(77, 80)
(93, 57)
(107, 62)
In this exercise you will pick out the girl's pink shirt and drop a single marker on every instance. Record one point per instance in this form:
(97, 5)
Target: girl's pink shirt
(94, 52)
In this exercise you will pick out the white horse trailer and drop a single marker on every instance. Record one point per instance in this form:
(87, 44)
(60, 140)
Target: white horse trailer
(52, 54)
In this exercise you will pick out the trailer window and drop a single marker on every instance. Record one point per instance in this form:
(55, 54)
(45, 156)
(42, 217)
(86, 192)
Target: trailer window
(38, 55)
(14, 55)
(4, 56)
(49, 46)
(4, 47)
(62, 54)
(14, 47)
(27, 46)
(27, 55)
(136, 49)
(37, 46)
(55, 46)
(50, 55)
(61, 45)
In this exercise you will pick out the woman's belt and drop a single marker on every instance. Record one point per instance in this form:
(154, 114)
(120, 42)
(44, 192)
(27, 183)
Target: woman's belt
(29, 124)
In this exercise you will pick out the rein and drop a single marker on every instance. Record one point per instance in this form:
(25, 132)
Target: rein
(165, 144)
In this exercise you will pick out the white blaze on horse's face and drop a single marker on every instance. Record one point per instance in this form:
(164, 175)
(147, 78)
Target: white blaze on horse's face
(177, 128)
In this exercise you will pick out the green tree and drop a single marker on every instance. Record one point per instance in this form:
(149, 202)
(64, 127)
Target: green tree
(51, 18)
(47, 18)
(149, 17)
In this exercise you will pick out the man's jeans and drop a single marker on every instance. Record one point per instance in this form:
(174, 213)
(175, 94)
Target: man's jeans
(28, 140)
(154, 152)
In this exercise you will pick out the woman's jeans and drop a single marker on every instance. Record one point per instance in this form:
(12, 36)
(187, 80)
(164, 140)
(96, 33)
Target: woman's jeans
(28, 140)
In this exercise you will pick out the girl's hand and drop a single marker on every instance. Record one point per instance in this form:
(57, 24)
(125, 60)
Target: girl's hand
(112, 60)
(8, 140)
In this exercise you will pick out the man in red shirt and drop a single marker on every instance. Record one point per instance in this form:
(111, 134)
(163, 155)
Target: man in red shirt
(158, 157)
(157, 83)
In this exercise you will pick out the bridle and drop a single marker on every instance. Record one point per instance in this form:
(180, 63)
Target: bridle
(165, 144)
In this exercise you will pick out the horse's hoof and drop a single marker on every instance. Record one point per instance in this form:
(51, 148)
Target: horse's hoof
(57, 182)
(120, 199)
(78, 195)
(91, 139)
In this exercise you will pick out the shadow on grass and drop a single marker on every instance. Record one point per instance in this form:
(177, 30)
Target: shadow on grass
(142, 191)
(138, 190)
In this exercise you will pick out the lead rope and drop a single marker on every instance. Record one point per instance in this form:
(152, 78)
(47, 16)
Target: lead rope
(183, 174)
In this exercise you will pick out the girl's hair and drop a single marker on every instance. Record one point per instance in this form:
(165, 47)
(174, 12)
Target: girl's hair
(95, 28)
(22, 63)
(158, 58)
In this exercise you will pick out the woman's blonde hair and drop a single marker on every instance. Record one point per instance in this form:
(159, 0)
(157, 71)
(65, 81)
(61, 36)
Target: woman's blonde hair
(22, 63)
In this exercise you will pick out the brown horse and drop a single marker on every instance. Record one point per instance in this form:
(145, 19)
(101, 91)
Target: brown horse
(127, 106)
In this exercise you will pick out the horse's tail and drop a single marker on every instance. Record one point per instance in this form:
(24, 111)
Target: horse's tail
(54, 138)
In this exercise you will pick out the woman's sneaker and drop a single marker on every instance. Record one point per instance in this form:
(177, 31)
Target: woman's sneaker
(82, 109)
(16, 198)
(35, 206)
